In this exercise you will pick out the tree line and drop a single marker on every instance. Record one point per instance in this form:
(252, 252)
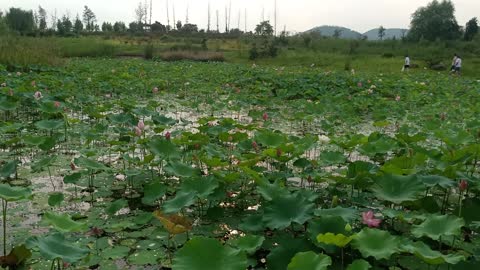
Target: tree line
(436, 21)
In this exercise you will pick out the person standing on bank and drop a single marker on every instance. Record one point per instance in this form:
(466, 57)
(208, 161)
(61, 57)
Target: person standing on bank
(458, 65)
(454, 61)
(407, 63)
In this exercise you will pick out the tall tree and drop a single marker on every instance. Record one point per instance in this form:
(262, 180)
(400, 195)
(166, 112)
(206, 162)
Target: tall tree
(337, 33)
(89, 19)
(435, 21)
(119, 27)
(381, 32)
(179, 25)
(42, 19)
(471, 29)
(78, 25)
(264, 29)
(20, 20)
(140, 13)
(107, 27)
(64, 26)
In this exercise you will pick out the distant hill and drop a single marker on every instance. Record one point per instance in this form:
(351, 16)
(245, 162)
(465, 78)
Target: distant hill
(346, 33)
(329, 31)
(389, 33)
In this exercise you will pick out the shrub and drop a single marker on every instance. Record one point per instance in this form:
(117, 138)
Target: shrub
(21, 52)
(148, 52)
(193, 56)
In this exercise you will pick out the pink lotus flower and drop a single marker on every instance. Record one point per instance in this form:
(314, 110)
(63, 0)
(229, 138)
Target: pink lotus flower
(265, 116)
(155, 90)
(138, 131)
(360, 84)
(38, 95)
(141, 125)
(168, 136)
(255, 145)
(370, 220)
(56, 104)
(463, 185)
(397, 98)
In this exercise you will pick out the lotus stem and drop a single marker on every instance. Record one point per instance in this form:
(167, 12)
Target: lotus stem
(4, 212)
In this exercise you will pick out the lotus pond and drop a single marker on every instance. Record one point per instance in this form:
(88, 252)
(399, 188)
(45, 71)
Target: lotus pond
(127, 164)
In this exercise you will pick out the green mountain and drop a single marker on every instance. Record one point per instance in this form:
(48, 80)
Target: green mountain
(389, 33)
(329, 31)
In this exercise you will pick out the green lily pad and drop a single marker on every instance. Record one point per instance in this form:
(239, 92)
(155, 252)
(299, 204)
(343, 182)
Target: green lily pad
(49, 124)
(338, 240)
(90, 164)
(348, 214)
(72, 178)
(55, 198)
(115, 206)
(63, 222)
(13, 194)
(116, 252)
(436, 180)
(43, 164)
(201, 186)
(433, 257)
(436, 226)
(309, 260)
(145, 257)
(8, 169)
(180, 201)
(359, 265)
(163, 148)
(181, 170)
(280, 213)
(152, 192)
(397, 188)
(376, 243)
(57, 247)
(201, 253)
(248, 243)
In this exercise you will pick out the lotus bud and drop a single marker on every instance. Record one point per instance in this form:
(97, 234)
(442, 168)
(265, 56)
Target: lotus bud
(138, 131)
(56, 104)
(168, 136)
(463, 185)
(38, 95)
(348, 228)
(141, 125)
(255, 145)
(279, 152)
(265, 116)
(334, 201)
(398, 98)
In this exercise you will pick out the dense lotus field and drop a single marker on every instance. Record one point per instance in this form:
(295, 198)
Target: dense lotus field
(127, 164)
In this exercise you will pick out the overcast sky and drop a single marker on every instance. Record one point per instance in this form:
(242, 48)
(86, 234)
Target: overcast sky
(296, 15)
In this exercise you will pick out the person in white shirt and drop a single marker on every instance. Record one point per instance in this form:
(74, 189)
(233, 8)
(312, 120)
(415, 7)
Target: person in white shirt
(454, 61)
(407, 63)
(458, 65)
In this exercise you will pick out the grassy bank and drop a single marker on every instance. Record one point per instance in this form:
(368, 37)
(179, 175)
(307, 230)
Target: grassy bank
(329, 54)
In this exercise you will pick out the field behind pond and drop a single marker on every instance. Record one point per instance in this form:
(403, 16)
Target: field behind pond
(134, 164)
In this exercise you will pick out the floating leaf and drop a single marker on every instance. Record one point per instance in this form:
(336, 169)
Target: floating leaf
(55, 198)
(180, 201)
(338, 240)
(57, 247)
(201, 253)
(163, 148)
(309, 260)
(174, 224)
(359, 265)
(376, 243)
(281, 212)
(248, 243)
(397, 188)
(63, 222)
(152, 192)
(181, 170)
(49, 124)
(424, 252)
(13, 194)
(8, 169)
(348, 214)
(436, 226)
(201, 186)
